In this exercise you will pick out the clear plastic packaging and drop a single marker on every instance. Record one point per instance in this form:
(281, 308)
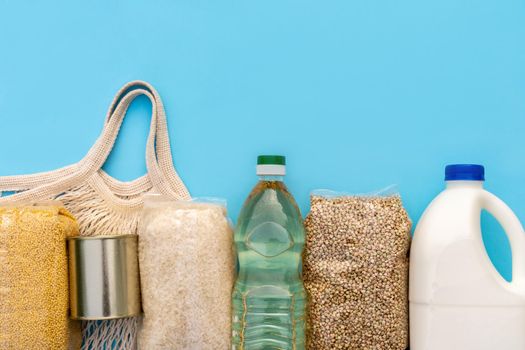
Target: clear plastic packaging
(186, 272)
(356, 271)
(34, 297)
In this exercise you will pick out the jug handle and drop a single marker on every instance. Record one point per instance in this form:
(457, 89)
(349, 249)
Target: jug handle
(514, 231)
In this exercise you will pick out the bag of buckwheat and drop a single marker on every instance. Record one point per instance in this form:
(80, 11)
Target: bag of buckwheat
(186, 273)
(356, 271)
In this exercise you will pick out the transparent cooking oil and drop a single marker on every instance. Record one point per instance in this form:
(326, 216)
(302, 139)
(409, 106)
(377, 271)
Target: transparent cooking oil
(269, 299)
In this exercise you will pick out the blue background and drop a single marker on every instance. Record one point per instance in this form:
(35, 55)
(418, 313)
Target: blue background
(357, 94)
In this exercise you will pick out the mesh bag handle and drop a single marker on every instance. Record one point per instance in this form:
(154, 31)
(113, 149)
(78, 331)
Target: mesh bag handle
(161, 171)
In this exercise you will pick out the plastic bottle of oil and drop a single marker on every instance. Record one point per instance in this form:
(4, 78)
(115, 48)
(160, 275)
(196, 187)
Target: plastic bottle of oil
(269, 299)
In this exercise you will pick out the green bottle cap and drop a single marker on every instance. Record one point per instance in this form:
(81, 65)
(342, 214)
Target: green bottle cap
(271, 160)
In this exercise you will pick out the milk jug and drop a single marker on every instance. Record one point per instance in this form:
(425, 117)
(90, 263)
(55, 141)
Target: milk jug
(458, 300)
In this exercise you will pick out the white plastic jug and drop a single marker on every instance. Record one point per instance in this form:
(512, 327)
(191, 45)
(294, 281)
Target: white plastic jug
(458, 300)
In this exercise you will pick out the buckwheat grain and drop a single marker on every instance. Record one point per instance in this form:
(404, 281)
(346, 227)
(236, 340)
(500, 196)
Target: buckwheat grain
(356, 273)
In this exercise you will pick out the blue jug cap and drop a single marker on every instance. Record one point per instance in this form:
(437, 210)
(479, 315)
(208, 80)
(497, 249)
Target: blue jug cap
(464, 172)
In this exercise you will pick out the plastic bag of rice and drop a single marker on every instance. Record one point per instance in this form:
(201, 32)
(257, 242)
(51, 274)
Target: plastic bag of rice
(186, 272)
(356, 271)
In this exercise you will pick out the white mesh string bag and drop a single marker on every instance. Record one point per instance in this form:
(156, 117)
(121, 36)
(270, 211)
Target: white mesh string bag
(104, 205)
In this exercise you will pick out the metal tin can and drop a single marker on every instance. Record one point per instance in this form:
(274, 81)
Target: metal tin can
(104, 277)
